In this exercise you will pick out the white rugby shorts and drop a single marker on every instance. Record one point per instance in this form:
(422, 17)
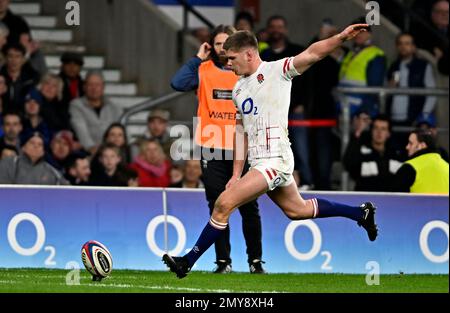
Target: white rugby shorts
(276, 171)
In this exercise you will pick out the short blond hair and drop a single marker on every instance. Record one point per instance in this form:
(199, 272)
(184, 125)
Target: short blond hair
(239, 40)
(49, 77)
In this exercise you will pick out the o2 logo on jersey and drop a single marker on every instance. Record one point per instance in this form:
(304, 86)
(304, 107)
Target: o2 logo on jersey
(248, 107)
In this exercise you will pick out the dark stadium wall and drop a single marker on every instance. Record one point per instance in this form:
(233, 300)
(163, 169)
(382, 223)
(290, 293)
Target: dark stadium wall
(305, 16)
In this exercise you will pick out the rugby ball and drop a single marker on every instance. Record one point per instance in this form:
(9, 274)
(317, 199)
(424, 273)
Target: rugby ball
(97, 259)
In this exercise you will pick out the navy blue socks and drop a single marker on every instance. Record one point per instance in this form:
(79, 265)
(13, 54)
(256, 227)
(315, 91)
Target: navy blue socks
(208, 236)
(325, 208)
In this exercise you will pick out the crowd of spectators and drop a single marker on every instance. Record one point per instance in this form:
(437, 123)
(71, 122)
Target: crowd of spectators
(377, 148)
(63, 129)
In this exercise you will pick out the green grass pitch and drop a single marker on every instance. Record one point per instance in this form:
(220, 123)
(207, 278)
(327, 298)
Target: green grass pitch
(123, 281)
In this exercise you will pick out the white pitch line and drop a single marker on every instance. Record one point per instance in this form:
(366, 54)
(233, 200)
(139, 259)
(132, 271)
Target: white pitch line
(161, 288)
(8, 281)
(40, 276)
(178, 288)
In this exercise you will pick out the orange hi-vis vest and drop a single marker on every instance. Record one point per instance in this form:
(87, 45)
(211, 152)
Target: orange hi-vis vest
(216, 111)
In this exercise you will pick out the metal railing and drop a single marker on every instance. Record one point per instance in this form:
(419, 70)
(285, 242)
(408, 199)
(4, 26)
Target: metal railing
(345, 125)
(147, 105)
(187, 8)
(383, 93)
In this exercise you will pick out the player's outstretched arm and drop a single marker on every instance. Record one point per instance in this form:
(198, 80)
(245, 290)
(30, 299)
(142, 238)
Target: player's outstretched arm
(321, 49)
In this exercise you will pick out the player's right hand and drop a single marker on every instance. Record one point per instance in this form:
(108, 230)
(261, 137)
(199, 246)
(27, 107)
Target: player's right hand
(231, 182)
(204, 51)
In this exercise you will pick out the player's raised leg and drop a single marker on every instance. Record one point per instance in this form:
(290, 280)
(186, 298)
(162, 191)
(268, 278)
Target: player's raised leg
(248, 188)
(296, 208)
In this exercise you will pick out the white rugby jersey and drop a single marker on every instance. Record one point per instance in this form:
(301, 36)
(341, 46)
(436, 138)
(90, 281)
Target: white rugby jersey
(262, 101)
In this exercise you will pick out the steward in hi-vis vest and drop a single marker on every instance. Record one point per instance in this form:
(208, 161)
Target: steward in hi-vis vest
(425, 171)
(363, 66)
(215, 107)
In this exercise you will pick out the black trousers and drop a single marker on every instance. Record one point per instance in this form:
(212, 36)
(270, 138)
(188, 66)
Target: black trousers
(216, 174)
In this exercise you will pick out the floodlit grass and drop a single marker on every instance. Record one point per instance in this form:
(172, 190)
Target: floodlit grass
(130, 281)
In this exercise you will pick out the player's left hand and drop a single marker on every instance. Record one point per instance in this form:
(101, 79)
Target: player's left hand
(231, 182)
(352, 31)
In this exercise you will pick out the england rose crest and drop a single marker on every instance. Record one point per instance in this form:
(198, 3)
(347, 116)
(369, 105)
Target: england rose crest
(260, 78)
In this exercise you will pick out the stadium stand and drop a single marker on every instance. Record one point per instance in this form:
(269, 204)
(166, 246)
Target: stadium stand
(140, 73)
